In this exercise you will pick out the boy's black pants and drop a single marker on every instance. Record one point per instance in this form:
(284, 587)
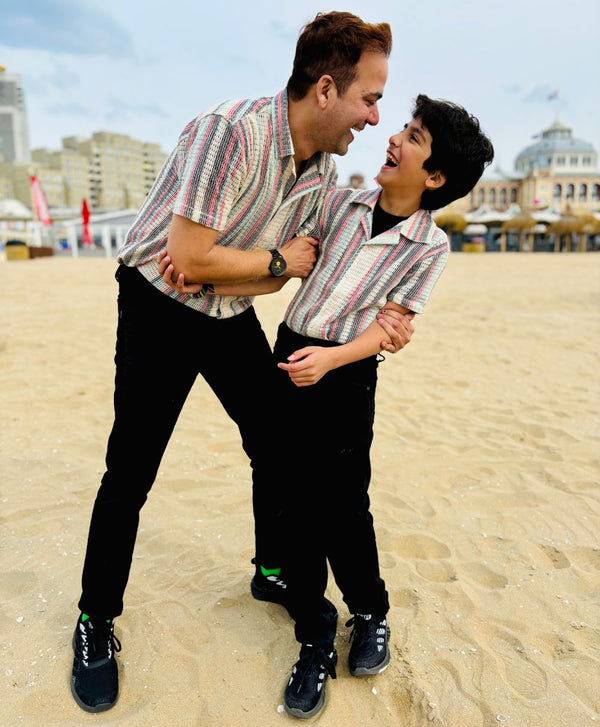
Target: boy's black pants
(327, 516)
(162, 346)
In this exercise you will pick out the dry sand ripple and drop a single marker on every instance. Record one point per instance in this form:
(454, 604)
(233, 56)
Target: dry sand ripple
(485, 495)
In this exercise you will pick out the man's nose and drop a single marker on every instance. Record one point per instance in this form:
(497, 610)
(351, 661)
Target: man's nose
(373, 118)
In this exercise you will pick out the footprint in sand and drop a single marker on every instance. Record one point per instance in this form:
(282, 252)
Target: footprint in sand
(587, 559)
(522, 674)
(436, 571)
(429, 553)
(420, 546)
(483, 576)
(557, 558)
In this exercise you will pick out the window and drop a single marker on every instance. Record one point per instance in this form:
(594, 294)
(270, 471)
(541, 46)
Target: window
(573, 161)
(557, 192)
(595, 192)
(503, 196)
(582, 192)
(587, 161)
(492, 196)
(560, 161)
(513, 195)
(480, 196)
(570, 191)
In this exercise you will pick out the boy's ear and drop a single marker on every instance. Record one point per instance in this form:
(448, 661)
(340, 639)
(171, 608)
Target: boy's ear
(435, 180)
(324, 89)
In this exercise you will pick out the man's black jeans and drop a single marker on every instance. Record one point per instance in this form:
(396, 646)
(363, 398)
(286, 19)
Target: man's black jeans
(162, 346)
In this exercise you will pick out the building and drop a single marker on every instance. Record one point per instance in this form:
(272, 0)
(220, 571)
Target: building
(559, 172)
(14, 135)
(121, 170)
(112, 171)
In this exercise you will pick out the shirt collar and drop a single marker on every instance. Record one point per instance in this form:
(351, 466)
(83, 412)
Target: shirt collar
(319, 163)
(419, 227)
(281, 124)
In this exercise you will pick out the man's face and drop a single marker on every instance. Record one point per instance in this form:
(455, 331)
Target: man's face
(407, 152)
(357, 107)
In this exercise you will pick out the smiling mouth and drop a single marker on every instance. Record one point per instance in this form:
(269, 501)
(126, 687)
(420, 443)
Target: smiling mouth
(390, 160)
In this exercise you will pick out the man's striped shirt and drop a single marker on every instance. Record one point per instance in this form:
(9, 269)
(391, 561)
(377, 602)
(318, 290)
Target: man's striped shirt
(355, 275)
(233, 171)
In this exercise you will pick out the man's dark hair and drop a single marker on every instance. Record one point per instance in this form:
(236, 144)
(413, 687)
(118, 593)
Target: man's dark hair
(333, 44)
(460, 149)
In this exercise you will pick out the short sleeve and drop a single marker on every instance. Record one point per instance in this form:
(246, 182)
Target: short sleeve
(416, 286)
(212, 165)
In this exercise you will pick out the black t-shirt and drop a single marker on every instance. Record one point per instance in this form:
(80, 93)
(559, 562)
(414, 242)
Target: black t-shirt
(383, 220)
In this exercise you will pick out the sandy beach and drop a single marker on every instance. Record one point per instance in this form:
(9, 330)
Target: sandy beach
(485, 493)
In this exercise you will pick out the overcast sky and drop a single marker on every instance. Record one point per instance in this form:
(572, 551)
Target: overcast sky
(147, 68)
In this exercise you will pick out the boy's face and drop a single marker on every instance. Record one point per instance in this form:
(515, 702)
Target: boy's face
(407, 152)
(356, 108)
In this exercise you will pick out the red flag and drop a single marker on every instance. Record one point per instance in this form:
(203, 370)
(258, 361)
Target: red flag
(39, 202)
(86, 238)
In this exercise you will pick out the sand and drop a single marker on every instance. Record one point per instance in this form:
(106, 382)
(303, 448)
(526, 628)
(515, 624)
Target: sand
(485, 495)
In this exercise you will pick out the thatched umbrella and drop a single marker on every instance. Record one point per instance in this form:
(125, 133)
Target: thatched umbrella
(568, 225)
(520, 223)
(591, 226)
(450, 221)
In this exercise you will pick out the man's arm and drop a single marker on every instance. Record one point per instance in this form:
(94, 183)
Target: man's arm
(307, 365)
(194, 254)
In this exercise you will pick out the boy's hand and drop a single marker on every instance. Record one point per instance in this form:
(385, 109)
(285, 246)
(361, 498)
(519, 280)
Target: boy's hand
(307, 365)
(300, 254)
(166, 270)
(399, 328)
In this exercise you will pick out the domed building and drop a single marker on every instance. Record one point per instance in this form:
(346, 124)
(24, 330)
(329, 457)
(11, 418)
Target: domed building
(558, 173)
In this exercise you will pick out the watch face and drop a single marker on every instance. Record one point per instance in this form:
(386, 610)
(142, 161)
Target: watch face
(278, 266)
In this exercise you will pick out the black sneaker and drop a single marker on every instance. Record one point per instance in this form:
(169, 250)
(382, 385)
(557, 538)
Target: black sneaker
(269, 588)
(305, 692)
(370, 652)
(95, 678)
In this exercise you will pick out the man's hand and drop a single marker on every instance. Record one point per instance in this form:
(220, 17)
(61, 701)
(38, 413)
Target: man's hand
(398, 326)
(307, 365)
(300, 254)
(166, 270)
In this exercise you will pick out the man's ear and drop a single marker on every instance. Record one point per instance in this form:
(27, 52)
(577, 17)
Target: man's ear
(324, 90)
(435, 180)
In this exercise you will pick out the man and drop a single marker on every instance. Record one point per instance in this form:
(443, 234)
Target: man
(244, 179)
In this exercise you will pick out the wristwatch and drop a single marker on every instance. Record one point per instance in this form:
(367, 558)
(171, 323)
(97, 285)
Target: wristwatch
(278, 265)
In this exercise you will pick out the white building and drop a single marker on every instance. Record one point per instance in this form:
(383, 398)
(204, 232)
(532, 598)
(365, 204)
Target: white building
(14, 135)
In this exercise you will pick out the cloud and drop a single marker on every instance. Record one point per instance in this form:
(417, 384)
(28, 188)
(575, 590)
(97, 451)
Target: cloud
(117, 109)
(65, 26)
(70, 109)
(538, 94)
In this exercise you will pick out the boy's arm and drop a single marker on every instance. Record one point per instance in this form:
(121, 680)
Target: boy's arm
(307, 365)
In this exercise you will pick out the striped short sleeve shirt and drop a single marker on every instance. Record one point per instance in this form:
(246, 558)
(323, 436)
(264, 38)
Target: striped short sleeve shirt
(233, 171)
(355, 276)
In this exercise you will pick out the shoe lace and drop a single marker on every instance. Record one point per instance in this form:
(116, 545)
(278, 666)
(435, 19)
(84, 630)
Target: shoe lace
(311, 656)
(98, 641)
(363, 628)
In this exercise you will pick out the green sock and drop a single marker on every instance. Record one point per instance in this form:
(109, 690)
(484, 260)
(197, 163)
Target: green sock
(270, 571)
(84, 618)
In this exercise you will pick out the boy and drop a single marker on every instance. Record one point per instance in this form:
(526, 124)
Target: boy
(378, 249)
